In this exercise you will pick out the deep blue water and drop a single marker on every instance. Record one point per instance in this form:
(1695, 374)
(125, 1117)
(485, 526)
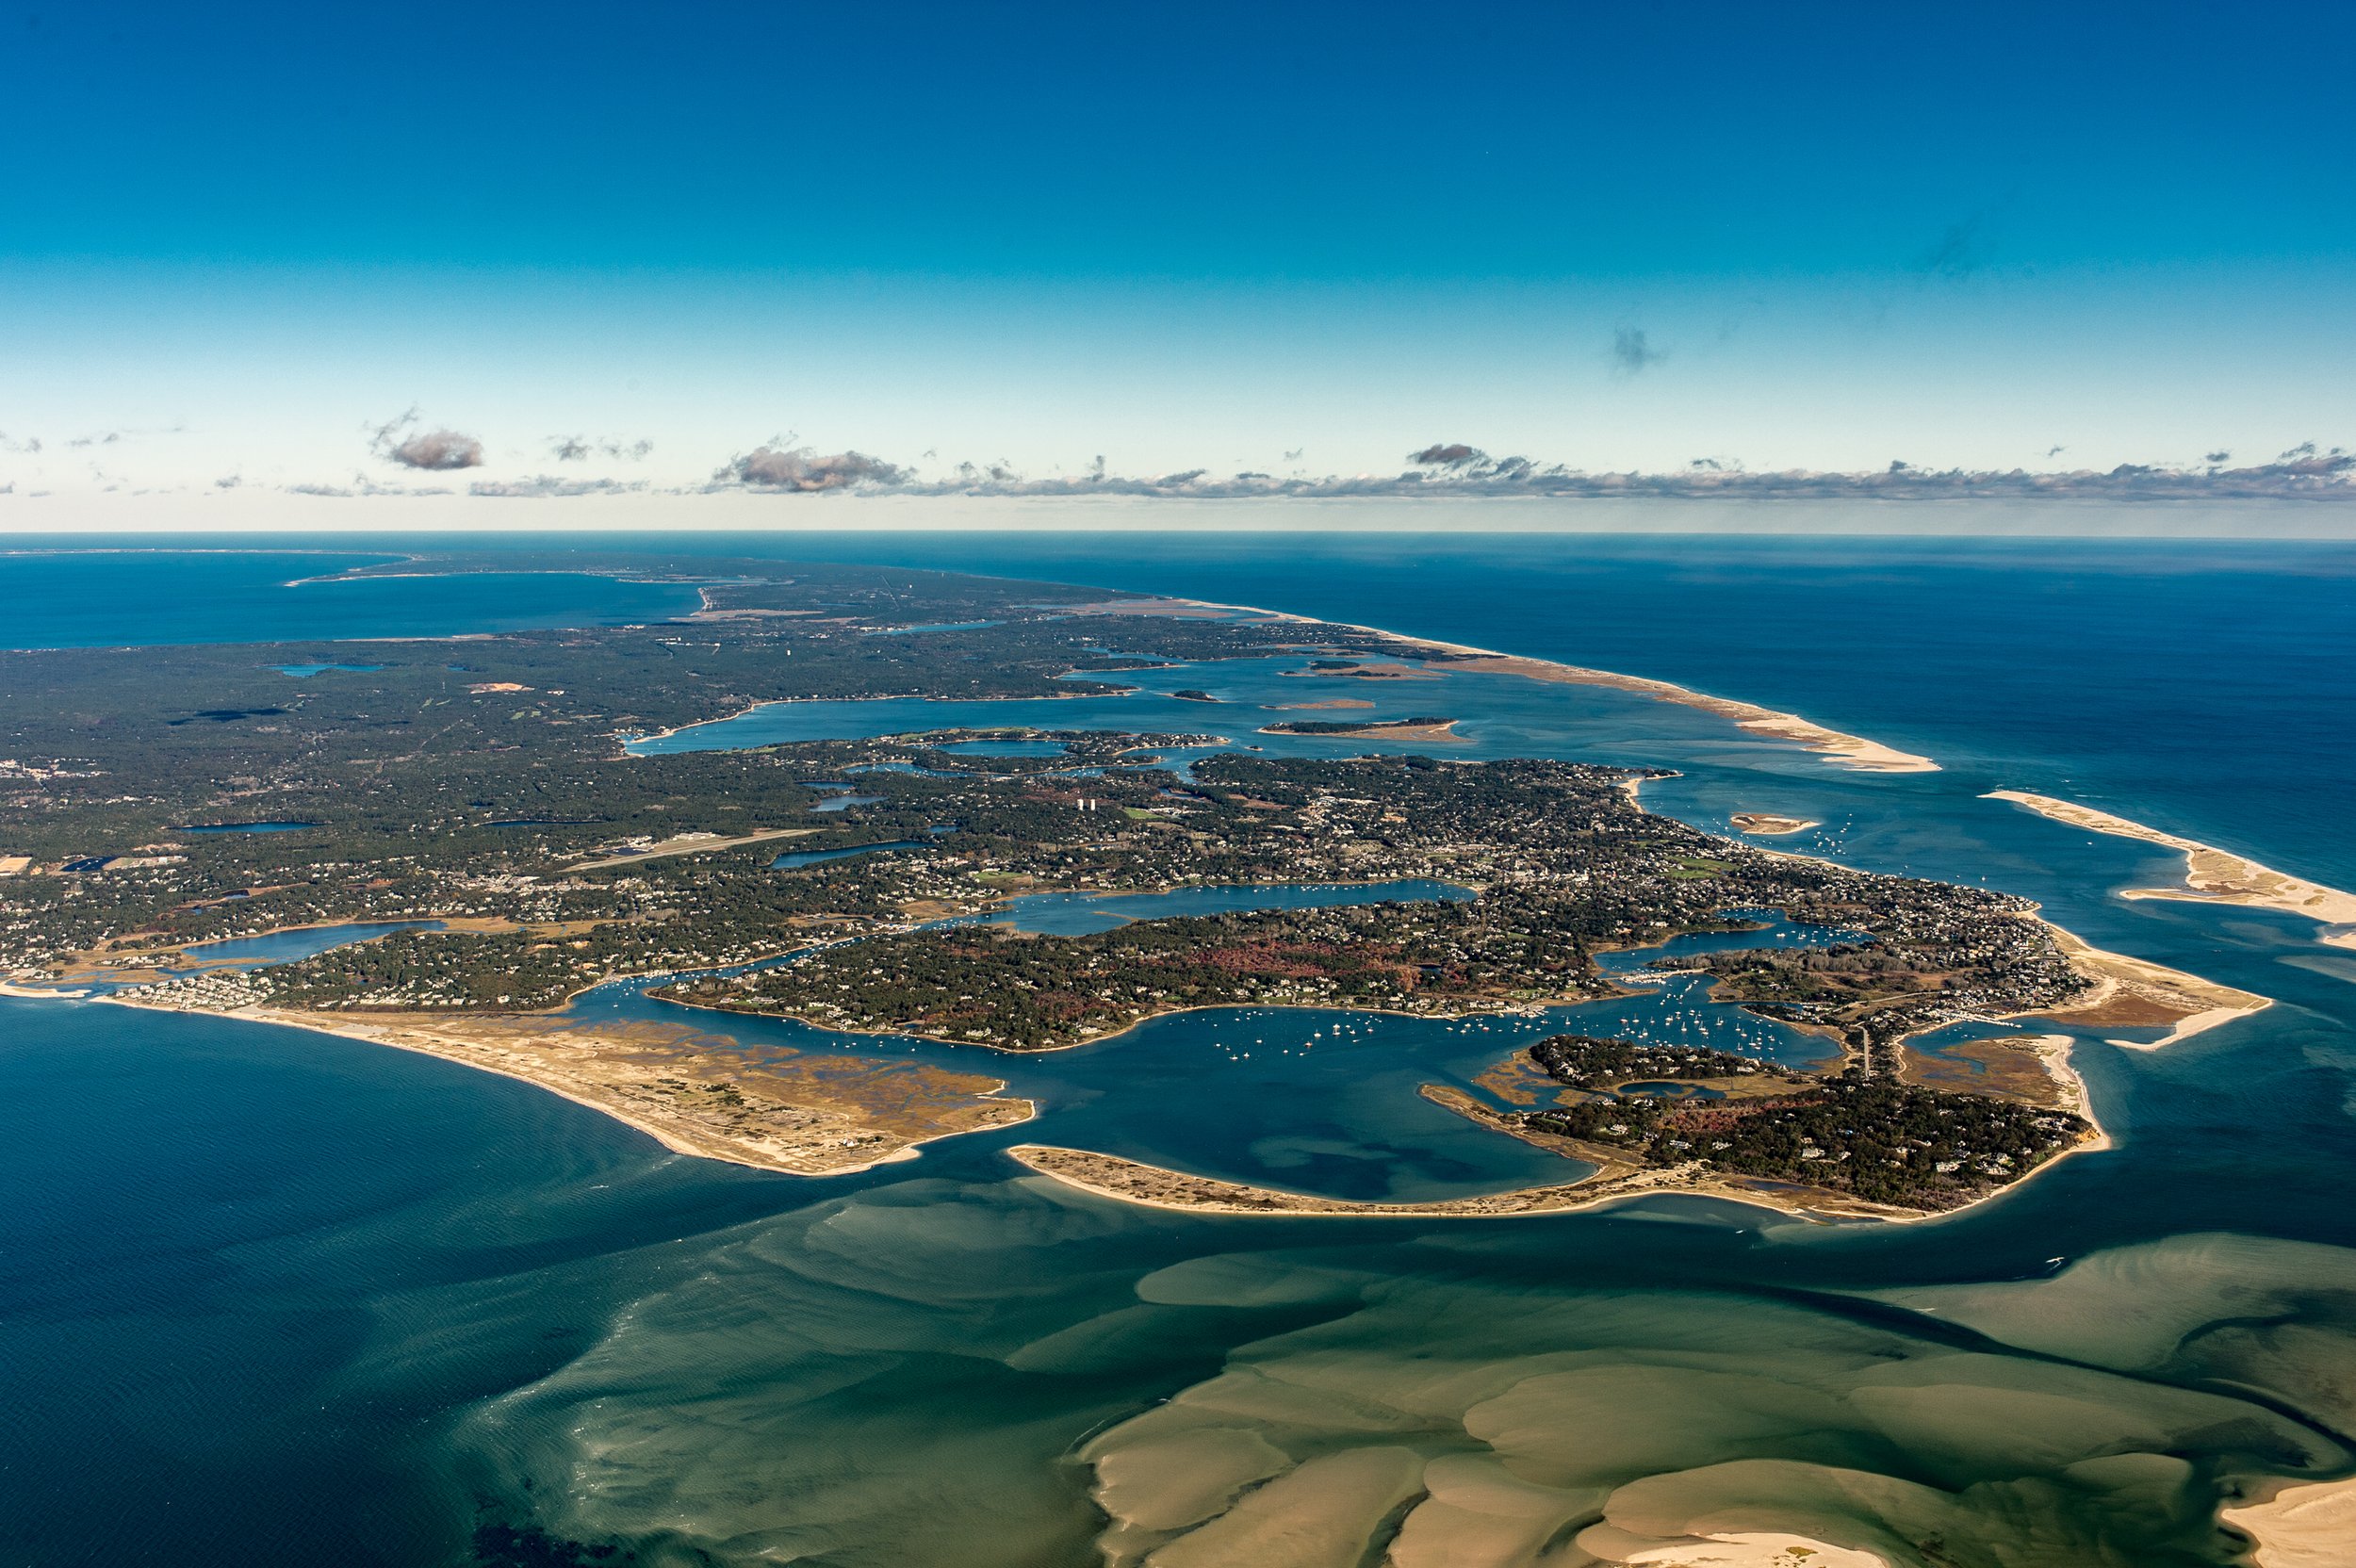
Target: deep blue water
(119, 593)
(270, 1297)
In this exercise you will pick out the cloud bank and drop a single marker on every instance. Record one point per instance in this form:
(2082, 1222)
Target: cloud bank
(800, 471)
(1440, 470)
(542, 485)
(579, 448)
(1459, 471)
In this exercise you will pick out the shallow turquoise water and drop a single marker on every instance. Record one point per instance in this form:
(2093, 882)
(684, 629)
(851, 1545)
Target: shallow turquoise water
(794, 859)
(1004, 748)
(285, 947)
(1074, 914)
(275, 1298)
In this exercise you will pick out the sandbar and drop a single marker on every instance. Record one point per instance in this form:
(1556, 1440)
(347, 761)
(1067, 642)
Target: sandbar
(2212, 875)
(1843, 750)
(2310, 1524)
(1154, 1188)
(1766, 825)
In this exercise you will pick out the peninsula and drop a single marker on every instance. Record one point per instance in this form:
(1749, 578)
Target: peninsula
(437, 853)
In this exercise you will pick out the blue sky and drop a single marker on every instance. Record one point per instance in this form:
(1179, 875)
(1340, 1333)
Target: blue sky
(245, 241)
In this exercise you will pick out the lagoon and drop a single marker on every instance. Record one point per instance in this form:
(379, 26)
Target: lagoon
(285, 947)
(1072, 914)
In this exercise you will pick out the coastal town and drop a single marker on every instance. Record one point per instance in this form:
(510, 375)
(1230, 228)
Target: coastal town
(449, 837)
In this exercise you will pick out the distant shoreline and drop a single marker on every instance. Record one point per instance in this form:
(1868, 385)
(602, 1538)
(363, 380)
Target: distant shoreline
(1838, 747)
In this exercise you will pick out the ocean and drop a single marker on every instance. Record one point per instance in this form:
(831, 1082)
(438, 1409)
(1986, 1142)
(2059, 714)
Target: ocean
(274, 1297)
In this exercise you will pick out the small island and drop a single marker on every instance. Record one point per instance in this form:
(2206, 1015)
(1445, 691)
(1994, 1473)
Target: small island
(1766, 825)
(1385, 729)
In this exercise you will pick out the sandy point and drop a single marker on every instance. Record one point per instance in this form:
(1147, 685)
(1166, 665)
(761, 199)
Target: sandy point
(2300, 1526)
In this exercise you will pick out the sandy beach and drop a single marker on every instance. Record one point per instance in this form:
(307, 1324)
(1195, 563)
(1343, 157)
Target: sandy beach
(1154, 1188)
(2212, 875)
(1844, 750)
(1841, 749)
(2136, 993)
(701, 1093)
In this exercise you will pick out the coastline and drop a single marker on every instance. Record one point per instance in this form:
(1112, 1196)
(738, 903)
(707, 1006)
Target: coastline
(814, 1119)
(1152, 1186)
(1376, 730)
(1156, 1187)
(2136, 992)
(1838, 747)
(1767, 824)
(2191, 1004)
(2212, 875)
(2130, 992)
